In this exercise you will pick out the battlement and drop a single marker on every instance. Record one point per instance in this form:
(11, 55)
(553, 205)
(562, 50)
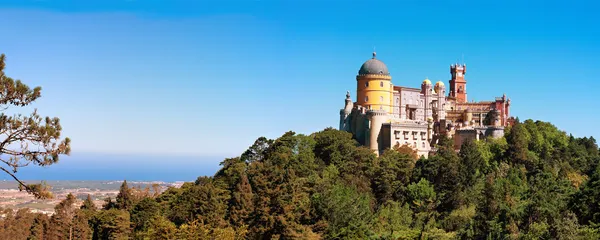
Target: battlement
(458, 67)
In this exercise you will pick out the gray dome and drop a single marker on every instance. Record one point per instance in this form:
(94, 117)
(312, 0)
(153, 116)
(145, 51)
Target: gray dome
(373, 66)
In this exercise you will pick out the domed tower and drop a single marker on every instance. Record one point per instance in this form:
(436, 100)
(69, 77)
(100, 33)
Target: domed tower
(375, 93)
(374, 86)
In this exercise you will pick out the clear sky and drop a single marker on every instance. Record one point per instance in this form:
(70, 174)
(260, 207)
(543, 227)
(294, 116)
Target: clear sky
(207, 78)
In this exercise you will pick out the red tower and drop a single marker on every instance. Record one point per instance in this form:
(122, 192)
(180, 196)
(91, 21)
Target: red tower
(458, 84)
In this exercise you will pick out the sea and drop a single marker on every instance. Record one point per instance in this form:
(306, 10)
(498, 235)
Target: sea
(109, 167)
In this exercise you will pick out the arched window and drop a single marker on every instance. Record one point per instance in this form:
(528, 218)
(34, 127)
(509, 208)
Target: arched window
(380, 107)
(381, 84)
(366, 98)
(381, 98)
(366, 84)
(423, 145)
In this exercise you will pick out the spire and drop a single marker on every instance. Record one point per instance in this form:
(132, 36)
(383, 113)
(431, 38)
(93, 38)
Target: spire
(374, 54)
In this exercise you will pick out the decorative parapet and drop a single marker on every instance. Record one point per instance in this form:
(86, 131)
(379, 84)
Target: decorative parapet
(377, 113)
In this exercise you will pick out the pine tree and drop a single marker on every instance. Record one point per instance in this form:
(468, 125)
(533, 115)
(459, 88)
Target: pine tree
(88, 204)
(124, 198)
(81, 226)
(241, 205)
(21, 132)
(61, 223)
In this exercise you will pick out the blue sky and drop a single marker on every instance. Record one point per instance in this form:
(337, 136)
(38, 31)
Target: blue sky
(206, 78)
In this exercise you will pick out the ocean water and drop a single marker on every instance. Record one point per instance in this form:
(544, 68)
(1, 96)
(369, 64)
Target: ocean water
(122, 167)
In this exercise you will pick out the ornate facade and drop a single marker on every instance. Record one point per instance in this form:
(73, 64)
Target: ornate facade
(385, 115)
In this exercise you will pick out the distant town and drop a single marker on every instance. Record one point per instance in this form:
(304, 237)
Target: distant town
(12, 198)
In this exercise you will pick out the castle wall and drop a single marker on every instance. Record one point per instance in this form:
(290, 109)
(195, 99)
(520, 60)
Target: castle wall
(411, 133)
(476, 134)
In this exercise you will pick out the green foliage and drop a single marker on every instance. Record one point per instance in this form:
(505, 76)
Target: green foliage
(393, 221)
(536, 183)
(346, 210)
(111, 224)
(143, 213)
(392, 174)
(124, 197)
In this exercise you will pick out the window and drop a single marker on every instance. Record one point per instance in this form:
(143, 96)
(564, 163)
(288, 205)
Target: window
(366, 84)
(366, 98)
(381, 84)
(381, 98)
(423, 145)
(415, 144)
(380, 107)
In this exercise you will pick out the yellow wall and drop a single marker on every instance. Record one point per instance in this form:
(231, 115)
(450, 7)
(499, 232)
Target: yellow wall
(374, 91)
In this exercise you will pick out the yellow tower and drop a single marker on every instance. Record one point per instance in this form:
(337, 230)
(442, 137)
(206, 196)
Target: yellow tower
(374, 86)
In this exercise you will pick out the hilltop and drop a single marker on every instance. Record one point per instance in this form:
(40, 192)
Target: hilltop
(536, 182)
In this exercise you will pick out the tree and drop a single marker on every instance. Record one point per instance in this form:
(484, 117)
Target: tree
(334, 146)
(144, 213)
(111, 224)
(392, 174)
(124, 198)
(490, 117)
(241, 204)
(88, 204)
(61, 223)
(346, 210)
(81, 227)
(27, 139)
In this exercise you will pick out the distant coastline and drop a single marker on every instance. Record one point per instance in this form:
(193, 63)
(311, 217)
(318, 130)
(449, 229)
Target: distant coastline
(119, 167)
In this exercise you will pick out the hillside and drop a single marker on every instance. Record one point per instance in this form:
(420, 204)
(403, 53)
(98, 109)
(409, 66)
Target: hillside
(535, 183)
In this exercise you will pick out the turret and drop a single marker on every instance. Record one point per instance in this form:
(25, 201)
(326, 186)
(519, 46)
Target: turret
(345, 113)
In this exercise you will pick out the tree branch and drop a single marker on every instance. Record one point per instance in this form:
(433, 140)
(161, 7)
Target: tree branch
(27, 188)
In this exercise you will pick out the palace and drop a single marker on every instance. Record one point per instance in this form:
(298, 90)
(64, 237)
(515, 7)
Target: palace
(385, 115)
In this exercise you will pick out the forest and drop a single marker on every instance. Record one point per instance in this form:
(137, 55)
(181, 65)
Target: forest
(537, 182)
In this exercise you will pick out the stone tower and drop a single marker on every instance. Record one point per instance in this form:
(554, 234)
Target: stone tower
(458, 84)
(376, 118)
